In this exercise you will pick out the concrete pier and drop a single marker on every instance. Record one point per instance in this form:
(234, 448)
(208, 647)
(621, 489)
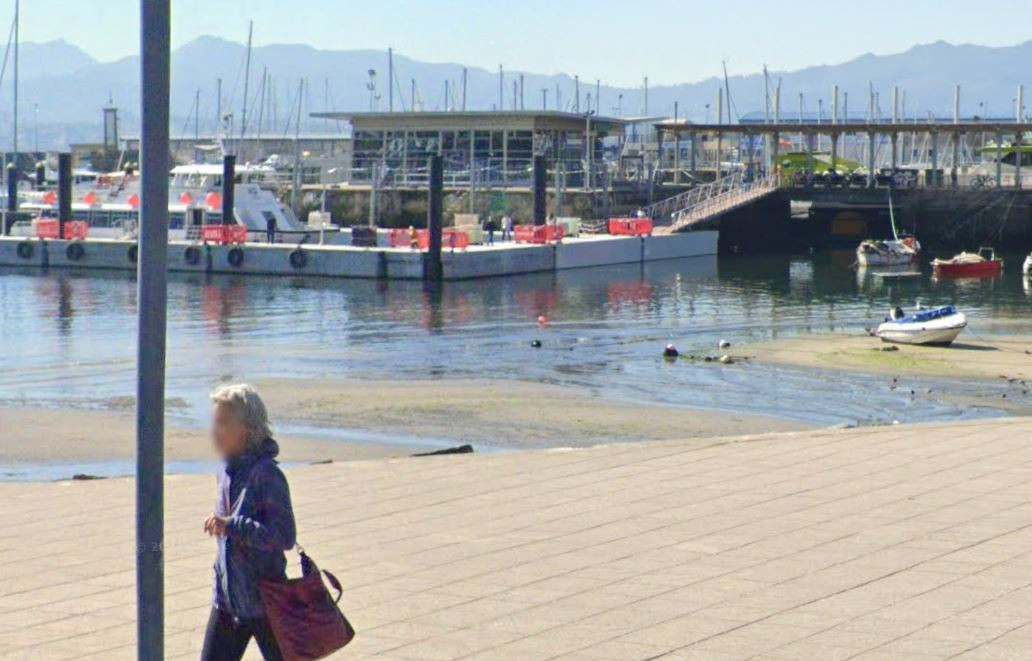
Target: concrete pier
(902, 542)
(353, 262)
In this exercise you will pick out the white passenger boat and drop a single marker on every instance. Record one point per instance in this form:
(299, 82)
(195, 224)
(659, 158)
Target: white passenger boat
(1026, 268)
(939, 326)
(109, 203)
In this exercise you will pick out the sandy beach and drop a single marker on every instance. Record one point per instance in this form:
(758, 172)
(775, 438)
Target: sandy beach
(508, 414)
(993, 357)
(349, 420)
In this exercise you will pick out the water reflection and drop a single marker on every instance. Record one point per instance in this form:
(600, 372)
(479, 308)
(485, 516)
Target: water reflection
(69, 334)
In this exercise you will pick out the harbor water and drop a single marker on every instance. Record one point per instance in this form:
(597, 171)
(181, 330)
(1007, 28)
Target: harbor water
(67, 338)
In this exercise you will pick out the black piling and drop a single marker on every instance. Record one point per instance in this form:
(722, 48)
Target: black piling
(228, 188)
(12, 187)
(64, 191)
(539, 190)
(433, 268)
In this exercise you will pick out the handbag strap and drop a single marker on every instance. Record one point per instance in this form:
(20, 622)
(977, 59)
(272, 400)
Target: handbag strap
(309, 567)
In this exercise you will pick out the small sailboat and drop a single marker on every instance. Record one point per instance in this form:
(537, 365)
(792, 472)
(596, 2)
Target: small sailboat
(899, 251)
(983, 264)
(936, 326)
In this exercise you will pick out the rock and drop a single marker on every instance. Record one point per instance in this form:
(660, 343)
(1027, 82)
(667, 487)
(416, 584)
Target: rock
(724, 344)
(671, 351)
(726, 360)
(85, 477)
(460, 449)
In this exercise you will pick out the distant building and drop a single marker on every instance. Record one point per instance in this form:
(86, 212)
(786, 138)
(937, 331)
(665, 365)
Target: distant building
(487, 148)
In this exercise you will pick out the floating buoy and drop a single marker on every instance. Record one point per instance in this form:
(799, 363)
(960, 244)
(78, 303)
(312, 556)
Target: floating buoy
(536, 344)
(671, 351)
(724, 344)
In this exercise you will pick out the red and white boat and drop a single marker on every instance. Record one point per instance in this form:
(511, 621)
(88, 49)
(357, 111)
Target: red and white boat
(983, 264)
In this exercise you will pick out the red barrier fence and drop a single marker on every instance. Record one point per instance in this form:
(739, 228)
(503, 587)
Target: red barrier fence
(538, 233)
(48, 228)
(225, 234)
(630, 226)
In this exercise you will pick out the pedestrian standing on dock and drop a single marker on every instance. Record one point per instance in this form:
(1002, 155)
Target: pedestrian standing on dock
(270, 228)
(253, 523)
(491, 227)
(507, 227)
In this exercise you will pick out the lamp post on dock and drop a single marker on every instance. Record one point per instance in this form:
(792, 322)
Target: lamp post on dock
(155, 22)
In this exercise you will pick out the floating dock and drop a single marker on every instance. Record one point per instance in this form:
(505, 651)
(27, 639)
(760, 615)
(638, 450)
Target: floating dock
(340, 261)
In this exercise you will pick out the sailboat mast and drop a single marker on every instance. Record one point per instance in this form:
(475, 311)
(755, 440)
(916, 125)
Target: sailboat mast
(17, 21)
(247, 82)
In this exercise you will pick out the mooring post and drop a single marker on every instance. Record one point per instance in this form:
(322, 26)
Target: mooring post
(64, 191)
(155, 51)
(433, 267)
(228, 189)
(935, 158)
(1017, 159)
(12, 198)
(695, 152)
(539, 191)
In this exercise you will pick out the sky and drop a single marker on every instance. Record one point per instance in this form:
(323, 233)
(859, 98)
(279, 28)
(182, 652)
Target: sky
(670, 41)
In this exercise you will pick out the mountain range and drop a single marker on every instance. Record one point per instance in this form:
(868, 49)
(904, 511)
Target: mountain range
(63, 89)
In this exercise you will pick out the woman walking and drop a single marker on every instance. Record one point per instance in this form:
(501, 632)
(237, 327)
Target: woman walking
(253, 523)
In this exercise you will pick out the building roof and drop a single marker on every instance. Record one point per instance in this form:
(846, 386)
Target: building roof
(525, 120)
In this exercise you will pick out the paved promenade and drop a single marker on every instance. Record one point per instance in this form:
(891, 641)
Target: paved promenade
(909, 542)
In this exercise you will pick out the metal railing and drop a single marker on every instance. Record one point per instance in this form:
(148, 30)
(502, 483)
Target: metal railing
(663, 212)
(721, 197)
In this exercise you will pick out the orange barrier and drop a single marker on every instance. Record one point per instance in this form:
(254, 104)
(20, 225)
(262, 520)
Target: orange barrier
(538, 233)
(451, 239)
(225, 234)
(48, 228)
(630, 226)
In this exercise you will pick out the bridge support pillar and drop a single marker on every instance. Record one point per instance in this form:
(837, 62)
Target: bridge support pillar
(809, 155)
(895, 151)
(956, 157)
(775, 152)
(677, 157)
(1017, 159)
(695, 153)
(834, 150)
(935, 160)
(999, 159)
(870, 159)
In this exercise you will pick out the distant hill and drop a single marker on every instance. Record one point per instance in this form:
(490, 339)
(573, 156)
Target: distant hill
(64, 88)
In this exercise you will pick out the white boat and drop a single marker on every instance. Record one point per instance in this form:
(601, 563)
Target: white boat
(1026, 268)
(896, 252)
(109, 203)
(939, 326)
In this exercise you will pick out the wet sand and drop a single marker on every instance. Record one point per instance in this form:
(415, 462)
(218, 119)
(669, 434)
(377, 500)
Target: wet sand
(509, 414)
(994, 357)
(76, 435)
(354, 420)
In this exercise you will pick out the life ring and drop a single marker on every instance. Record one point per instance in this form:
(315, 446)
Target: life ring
(192, 255)
(298, 258)
(235, 256)
(74, 251)
(133, 253)
(26, 250)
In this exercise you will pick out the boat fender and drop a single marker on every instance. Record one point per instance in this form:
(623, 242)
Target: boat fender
(235, 256)
(133, 253)
(192, 255)
(26, 250)
(298, 258)
(74, 252)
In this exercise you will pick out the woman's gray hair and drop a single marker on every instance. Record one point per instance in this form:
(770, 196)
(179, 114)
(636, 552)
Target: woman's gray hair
(247, 404)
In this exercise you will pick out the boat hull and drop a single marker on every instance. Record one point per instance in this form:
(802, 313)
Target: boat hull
(986, 269)
(881, 259)
(941, 331)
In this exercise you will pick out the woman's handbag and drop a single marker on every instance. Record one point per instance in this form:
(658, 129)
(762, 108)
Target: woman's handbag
(303, 615)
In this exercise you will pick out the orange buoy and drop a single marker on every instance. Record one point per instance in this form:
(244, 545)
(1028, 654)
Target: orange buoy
(90, 198)
(213, 200)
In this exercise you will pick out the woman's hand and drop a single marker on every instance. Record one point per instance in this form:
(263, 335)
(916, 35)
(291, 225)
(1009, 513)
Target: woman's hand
(215, 526)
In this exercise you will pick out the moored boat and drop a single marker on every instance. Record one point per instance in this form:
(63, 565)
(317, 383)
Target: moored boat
(937, 326)
(983, 264)
(888, 253)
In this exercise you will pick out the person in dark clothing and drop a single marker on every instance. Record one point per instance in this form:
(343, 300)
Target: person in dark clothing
(491, 226)
(270, 228)
(253, 523)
